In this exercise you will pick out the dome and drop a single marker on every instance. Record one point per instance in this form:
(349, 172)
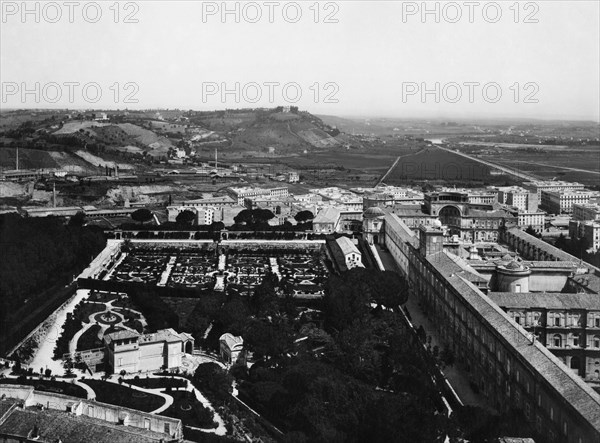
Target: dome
(437, 223)
(373, 212)
(513, 265)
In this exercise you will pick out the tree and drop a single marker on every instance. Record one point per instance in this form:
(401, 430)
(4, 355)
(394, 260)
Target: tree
(531, 231)
(217, 226)
(211, 377)
(185, 218)
(78, 219)
(304, 216)
(253, 217)
(142, 215)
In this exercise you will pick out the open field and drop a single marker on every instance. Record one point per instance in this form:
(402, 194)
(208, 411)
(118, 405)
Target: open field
(28, 159)
(433, 164)
(572, 163)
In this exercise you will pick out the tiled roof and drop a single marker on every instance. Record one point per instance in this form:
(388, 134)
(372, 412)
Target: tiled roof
(327, 215)
(401, 229)
(53, 425)
(346, 246)
(168, 335)
(451, 264)
(231, 340)
(547, 300)
(121, 335)
(542, 245)
(571, 387)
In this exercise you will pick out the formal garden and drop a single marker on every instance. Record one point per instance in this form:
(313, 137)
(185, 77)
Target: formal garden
(236, 269)
(98, 314)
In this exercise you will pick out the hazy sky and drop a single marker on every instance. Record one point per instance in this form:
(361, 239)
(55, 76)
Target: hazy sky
(374, 58)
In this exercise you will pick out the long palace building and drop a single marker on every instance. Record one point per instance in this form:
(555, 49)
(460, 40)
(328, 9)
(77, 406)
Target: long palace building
(511, 368)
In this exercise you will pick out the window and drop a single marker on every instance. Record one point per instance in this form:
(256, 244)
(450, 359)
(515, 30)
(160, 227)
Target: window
(146, 423)
(557, 341)
(167, 428)
(556, 320)
(517, 318)
(575, 340)
(596, 341)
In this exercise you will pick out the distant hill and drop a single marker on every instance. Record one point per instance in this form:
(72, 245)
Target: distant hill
(260, 129)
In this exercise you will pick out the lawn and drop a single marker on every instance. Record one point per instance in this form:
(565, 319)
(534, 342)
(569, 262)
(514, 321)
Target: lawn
(59, 387)
(189, 410)
(119, 395)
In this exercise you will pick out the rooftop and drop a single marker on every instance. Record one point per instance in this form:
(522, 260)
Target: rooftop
(54, 425)
(347, 246)
(542, 245)
(231, 340)
(546, 300)
(328, 214)
(557, 377)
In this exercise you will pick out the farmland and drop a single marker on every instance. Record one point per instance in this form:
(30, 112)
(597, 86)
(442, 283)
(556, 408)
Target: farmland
(571, 163)
(434, 165)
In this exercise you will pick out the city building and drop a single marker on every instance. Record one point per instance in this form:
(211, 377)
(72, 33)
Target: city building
(327, 221)
(590, 230)
(523, 199)
(204, 215)
(373, 224)
(567, 324)
(132, 352)
(561, 202)
(293, 177)
(28, 415)
(469, 215)
(529, 219)
(511, 369)
(346, 254)
(241, 193)
(232, 349)
(387, 196)
(538, 186)
(586, 212)
(211, 201)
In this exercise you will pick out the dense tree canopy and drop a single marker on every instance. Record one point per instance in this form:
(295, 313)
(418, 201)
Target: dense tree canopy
(349, 295)
(142, 215)
(185, 218)
(254, 217)
(304, 216)
(38, 253)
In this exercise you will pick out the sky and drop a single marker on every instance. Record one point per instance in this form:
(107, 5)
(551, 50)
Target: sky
(398, 59)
